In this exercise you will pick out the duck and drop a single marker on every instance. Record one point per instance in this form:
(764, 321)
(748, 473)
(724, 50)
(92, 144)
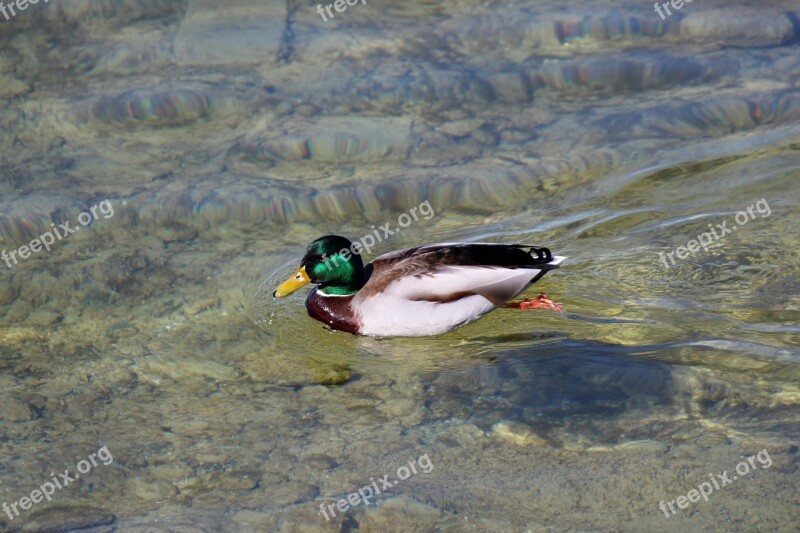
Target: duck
(425, 290)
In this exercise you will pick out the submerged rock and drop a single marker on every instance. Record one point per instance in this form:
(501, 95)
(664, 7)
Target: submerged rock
(400, 513)
(67, 518)
(329, 139)
(517, 434)
(244, 31)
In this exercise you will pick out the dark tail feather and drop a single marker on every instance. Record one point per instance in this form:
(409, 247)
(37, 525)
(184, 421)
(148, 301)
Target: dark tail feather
(543, 255)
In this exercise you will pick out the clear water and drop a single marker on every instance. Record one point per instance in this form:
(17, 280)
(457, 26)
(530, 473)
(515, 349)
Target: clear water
(227, 135)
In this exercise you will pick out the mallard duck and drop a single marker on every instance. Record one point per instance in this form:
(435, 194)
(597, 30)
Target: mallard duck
(425, 290)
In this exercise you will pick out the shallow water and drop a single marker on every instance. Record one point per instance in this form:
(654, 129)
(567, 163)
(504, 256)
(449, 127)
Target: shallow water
(226, 136)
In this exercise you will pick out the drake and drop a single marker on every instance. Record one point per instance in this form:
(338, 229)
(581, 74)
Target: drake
(426, 290)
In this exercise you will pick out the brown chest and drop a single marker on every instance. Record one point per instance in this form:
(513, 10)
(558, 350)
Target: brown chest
(335, 311)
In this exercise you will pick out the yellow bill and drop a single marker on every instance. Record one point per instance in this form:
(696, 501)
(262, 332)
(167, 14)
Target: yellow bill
(286, 288)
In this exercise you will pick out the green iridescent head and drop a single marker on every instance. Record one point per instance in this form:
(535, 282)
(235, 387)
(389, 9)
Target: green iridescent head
(330, 264)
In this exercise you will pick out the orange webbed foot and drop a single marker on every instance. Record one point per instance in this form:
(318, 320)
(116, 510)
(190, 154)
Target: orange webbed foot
(540, 302)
